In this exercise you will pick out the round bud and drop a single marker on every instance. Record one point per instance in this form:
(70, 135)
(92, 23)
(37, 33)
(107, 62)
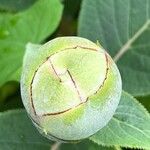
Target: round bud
(70, 88)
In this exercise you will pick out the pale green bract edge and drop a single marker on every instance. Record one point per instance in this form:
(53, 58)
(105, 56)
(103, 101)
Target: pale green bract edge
(129, 127)
(17, 30)
(117, 26)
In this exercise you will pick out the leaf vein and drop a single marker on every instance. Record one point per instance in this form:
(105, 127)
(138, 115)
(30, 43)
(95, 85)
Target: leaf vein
(128, 44)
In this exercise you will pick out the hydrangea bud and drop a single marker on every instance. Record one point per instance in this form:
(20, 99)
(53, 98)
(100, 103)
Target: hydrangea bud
(70, 88)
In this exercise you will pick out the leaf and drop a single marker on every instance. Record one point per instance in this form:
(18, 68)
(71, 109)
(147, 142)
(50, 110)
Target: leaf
(17, 133)
(13, 5)
(71, 8)
(17, 30)
(85, 145)
(123, 28)
(130, 126)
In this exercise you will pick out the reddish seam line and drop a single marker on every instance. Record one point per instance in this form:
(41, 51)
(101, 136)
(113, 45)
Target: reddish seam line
(107, 68)
(74, 83)
(54, 70)
(32, 104)
(56, 113)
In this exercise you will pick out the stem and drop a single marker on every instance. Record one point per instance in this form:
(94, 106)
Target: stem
(117, 147)
(127, 45)
(55, 146)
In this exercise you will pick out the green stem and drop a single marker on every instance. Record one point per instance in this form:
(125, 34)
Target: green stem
(117, 147)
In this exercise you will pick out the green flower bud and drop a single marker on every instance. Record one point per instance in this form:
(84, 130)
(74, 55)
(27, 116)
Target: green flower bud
(70, 88)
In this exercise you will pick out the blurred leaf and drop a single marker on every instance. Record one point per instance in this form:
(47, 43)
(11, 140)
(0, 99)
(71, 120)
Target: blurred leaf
(8, 89)
(16, 30)
(17, 133)
(123, 28)
(145, 101)
(15, 5)
(68, 25)
(71, 7)
(85, 145)
(130, 126)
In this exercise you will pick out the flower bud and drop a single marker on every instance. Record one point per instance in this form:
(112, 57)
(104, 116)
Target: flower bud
(70, 88)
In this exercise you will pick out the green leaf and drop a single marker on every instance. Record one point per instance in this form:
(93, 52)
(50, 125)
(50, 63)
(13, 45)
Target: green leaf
(123, 28)
(85, 145)
(16, 30)
(17, 133)
(13, 5)
(130, 126)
